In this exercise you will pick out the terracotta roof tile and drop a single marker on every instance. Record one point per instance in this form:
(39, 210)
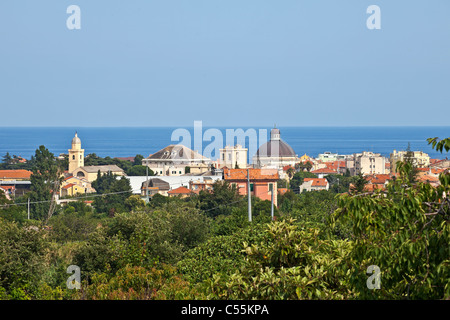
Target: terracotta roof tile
(324, 170)
(255, 174)
(180, 190)
(68, 186)
(317, 182)
(15, 174)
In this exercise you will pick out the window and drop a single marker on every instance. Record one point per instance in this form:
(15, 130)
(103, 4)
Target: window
(251, 187)
(270, 186)
(73, 157)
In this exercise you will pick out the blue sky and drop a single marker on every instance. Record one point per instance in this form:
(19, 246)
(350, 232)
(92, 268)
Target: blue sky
(226, 63)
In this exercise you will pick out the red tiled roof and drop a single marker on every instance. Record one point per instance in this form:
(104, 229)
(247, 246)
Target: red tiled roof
(70, 185)
(433, 171)
(324, 170)
(15, 174)
(428, 178)
(180, 190)
(336, 164)
(255, 174)
(7, 187)
(433, 161)
(370, 187)
(317, 182)
(378, 178)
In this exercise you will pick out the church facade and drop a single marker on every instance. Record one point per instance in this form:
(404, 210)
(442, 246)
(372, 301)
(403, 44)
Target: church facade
(79, 170)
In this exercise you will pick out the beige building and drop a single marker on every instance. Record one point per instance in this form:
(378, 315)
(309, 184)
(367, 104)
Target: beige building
(366, 163)
(173, 159)
(314, 184)
(155, 186)
(89, 173)
(72, 186)
(419, 159)
(233, 157)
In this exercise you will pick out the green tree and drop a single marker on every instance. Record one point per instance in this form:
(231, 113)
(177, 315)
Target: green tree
(439, 145)
(405, 232)
(138, 160)
(359, 184)
(410, 161)
(220, 199)
(298, 178)
(7, 159)
(22, 259)
(288, 263)
(115, 191)
(139, 170)
(45, 179)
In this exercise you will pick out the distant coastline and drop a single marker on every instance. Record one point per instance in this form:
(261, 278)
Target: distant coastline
(129, 141)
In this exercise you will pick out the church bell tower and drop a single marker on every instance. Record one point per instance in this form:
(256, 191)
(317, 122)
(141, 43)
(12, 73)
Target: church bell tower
(76, 154)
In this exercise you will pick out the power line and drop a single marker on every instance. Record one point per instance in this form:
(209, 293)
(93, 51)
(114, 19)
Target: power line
(75, 198)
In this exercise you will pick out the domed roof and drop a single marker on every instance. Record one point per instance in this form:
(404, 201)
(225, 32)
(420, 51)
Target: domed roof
(76, 140)
(275, 148)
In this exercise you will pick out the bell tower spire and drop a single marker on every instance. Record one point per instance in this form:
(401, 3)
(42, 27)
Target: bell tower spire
(76, 154)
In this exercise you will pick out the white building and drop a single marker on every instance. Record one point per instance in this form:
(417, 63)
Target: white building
(233, 157)
(366, 162)
(331, 157)
(173, 159)
(419, 159)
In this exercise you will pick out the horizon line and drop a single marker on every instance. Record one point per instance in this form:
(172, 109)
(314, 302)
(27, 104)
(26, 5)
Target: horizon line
(235, 126)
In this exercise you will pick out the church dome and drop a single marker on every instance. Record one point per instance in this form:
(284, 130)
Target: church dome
(76, 140)
(275, 147)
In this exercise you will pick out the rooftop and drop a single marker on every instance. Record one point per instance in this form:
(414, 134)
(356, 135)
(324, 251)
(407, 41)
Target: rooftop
(107, 168)
(317, 182)
(177, 153)
(15, 174)
(255, 174)
(180, 190)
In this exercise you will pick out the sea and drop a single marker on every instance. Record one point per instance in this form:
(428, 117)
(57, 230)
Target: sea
(130, 141)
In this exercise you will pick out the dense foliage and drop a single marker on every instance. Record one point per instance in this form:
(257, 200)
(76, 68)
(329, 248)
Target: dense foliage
(203, 247)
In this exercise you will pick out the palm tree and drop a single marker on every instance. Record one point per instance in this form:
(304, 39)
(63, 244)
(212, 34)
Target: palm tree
(290, 172)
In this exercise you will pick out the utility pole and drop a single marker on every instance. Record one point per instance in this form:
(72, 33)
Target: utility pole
(271, 209)
(28, 208)
(249, 197)
(146, 183)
